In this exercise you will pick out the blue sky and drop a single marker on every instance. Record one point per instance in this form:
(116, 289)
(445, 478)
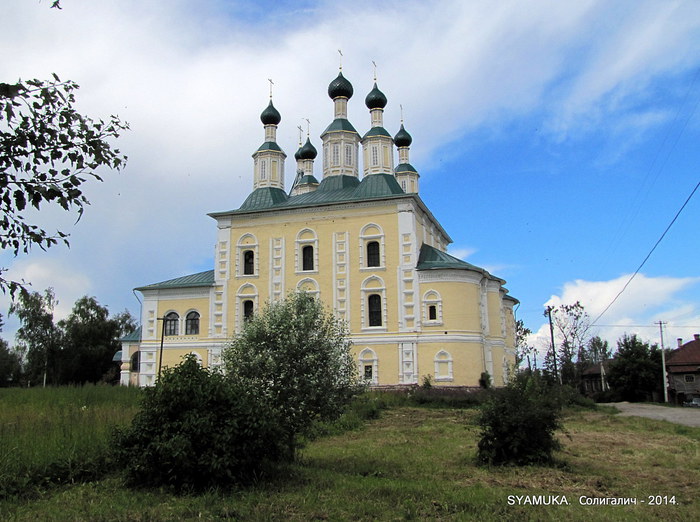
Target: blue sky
(555, 140)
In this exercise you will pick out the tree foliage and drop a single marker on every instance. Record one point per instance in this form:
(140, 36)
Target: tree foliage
(38, 337)
(636, 370)
(197, 430)
(518, 423)
(296, 354)
(90, 338)
(78, 349)
(48, 150)
(10, 363)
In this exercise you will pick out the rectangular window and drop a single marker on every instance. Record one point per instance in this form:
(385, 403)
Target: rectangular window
(432, 313)
(375, 156)
(307, 254)
(248, 262)
(374, 303)
(348, 155)
(373, 253)
(689, 378)
(368, 372)
(336, 155)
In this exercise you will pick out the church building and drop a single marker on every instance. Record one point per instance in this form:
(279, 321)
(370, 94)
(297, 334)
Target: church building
(361, 240)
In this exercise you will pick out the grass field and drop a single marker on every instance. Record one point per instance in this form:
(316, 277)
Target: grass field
(417, 464)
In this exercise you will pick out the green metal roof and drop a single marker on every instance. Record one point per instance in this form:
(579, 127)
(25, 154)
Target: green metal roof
(340, 124)
(133, 336)
(377, 131)
(432, 258)
(405, 167)
(199, 279)
(269, 145)
(378, 185)
(307, 179)
(264, 197)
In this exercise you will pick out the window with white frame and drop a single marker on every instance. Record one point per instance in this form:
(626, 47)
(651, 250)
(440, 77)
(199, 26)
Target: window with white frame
(171, 324)
(306, 251)
(432, 308)
(246, 304)
(372, 252)
(368, 366)
(192, 323)
(309, 286)
(348, 155)
(247, 259)
(374, 306)
(689, 378)
(443, 366)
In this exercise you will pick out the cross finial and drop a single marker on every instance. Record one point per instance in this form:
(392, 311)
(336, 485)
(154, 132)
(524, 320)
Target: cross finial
(300, 133)
(341, 59)
(271, 84)
(375, 70)
(308, 127)
(401, 107)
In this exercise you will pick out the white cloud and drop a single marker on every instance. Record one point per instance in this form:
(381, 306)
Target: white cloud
(646, 301)
(192, 80)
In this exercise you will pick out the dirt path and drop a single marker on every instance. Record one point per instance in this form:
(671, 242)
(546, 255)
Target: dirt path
(686, 416)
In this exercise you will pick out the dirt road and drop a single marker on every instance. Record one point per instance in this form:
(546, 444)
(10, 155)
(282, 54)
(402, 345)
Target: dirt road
(686, 416)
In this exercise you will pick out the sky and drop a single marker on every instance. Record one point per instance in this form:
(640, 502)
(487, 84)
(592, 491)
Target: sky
(556, 141)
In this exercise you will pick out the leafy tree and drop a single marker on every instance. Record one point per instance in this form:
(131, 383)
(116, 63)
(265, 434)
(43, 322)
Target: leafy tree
(296, 354)
(90, 340)
(522, 349)
(572, 329)
(48, 150)
(10, 363)
(635, 372)
(38, 338)
(197, 430)
(598, 350)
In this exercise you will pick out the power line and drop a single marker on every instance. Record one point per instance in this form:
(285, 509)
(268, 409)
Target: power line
(649, 254)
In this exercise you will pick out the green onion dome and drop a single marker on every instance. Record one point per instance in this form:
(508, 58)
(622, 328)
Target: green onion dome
(375, 99)
(308, 151)
(270, 116)
(402, 138)
(340, 87)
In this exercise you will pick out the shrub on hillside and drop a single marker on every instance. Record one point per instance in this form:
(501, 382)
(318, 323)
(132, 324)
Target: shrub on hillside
(197, 430)
(518, 424)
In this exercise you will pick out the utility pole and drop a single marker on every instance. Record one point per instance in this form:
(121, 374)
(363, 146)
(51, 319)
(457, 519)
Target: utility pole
(663, 361)
(548, 313)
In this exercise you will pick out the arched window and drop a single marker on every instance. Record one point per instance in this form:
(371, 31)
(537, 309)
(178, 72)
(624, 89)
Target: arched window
(368, 366)
(172, 321)
(248, 262)
(135, 362)
(192, 323)
(373, 258)
(374, 308)
(307, 254)
(248, 308)
(432, 308)
(443, 366)
(372, 248)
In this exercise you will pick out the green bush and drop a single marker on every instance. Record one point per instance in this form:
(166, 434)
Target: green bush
(197, 430)
(518, 424)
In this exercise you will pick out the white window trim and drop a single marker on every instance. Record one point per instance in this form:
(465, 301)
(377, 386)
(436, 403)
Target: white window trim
(316, 292)
(367, 238)
(298, 252)
(240, 261)
(439, 361)
(243, 294)
(366, 357)
(432, 298)
(364, 307)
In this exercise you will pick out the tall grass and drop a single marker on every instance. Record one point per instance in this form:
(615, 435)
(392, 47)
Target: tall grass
(58, 435)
